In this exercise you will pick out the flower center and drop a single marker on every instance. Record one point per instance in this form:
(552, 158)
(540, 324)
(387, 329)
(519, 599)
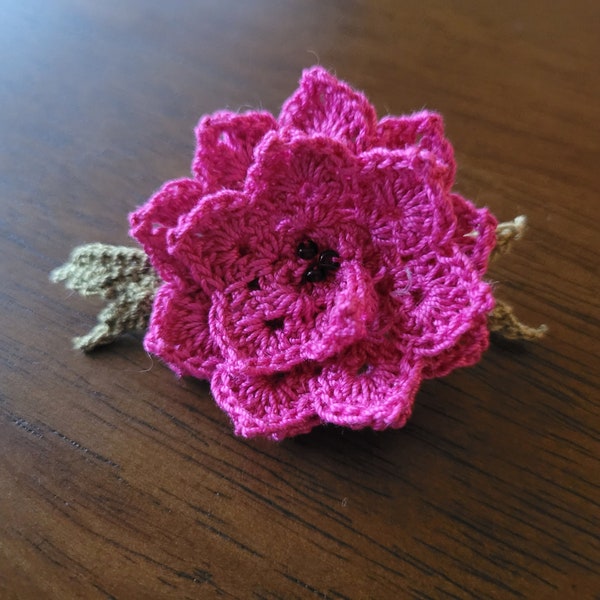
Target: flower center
(327, 261)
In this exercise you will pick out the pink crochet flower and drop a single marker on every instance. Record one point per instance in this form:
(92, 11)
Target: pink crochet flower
(317, 267)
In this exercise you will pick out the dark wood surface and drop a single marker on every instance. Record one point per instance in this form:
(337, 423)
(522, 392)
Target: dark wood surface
(119, 481)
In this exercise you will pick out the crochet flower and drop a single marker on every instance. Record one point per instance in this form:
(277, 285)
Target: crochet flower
(317, 266)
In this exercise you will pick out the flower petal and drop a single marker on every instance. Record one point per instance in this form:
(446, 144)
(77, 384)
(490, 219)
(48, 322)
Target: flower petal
(151, 222)
(309, 189)
(274, 405)
(367, 386)
(225, 147)
(294, 174)
(223, 239)
(446, 297)
(179, 333)
(288, 320)
(466, 352)
(396, 133)
(421, 132)
(475, 231)
(324, 105)
(404, 203)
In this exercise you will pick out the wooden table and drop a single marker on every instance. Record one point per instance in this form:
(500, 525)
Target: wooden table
(117, 480)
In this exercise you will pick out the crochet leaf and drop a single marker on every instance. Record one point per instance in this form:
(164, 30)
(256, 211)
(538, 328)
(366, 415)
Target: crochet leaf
(119, 274)
(501, 319)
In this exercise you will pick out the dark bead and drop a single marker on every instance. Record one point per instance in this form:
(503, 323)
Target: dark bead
(307, 250)
(315, 274)
(330, 260)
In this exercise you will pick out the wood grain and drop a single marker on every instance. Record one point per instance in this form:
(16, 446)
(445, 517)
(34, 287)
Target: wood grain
(119, 481)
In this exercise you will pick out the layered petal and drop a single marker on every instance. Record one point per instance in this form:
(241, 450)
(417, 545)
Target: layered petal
(299, 173)
(151, 222)
(404, 204)
(178, 331)
(475, 231)
(396, 133)
(367, 386)
(421, 132)
(310, 187)
(225, 147)
(445, 298)
(326, 106)
(466, 352)
(275, 405)
(223, 239)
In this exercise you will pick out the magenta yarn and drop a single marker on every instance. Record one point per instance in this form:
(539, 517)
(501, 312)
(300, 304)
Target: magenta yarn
(398, 293)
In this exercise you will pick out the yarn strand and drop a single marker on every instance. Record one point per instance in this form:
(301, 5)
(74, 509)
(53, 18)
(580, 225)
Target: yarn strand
(507, 234)
(503, 321)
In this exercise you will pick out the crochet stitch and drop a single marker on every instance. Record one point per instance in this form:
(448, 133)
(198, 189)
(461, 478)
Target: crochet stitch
(395, 292)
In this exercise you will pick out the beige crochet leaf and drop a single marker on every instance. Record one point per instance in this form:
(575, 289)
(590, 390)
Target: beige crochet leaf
(119, 274)
(502, 319)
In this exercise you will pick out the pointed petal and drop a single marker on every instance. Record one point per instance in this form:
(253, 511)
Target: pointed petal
(324, 105)
(421, 132)
(404, 203)
(466, 352)
(225, 149)
(151, 222)
(293, 175)
(444, 300)
(310, 188)
(396, 133)
(475, 231)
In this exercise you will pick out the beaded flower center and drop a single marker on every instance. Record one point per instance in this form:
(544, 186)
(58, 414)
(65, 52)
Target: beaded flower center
(326, 262)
